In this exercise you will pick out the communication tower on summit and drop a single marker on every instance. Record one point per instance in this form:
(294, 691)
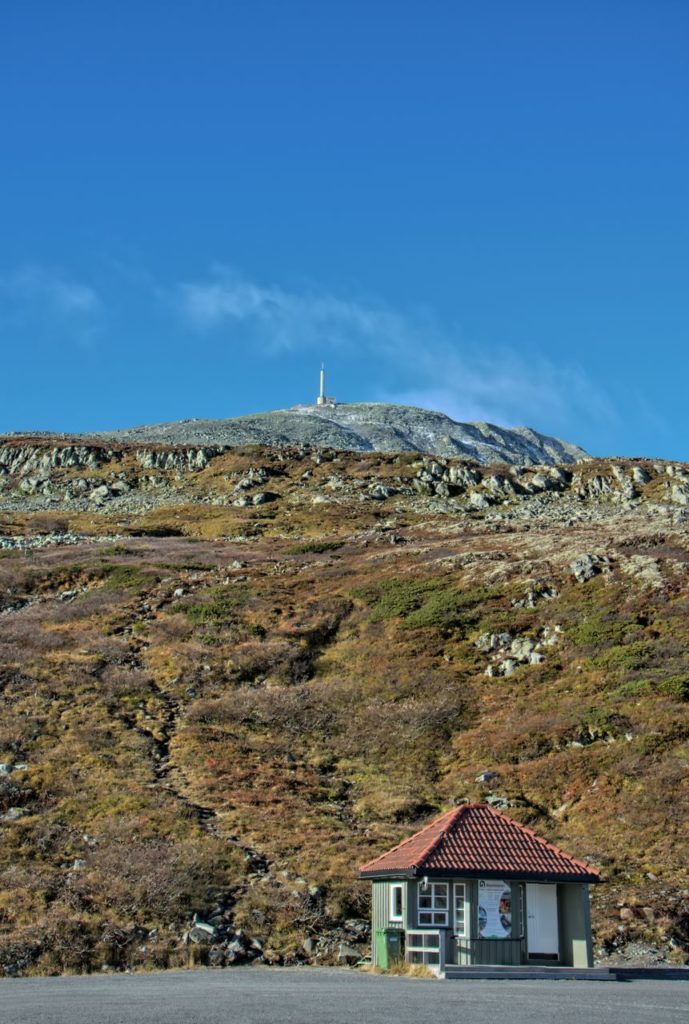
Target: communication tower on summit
(324, 399)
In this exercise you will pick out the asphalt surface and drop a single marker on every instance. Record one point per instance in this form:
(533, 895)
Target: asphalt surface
(323, 996)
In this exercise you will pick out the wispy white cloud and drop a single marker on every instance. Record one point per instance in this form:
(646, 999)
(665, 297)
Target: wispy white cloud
(53, 303)
(501, 387)
(39, 284)
(432, 366)
(285, 319)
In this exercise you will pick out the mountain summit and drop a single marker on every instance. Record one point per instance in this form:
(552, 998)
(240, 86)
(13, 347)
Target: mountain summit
(368, 426)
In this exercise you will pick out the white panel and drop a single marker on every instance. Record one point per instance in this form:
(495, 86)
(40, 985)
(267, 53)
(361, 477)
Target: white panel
(542, 933)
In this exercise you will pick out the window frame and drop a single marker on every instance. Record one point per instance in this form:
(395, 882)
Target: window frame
(423, 948)
(391, 907)
(464, 932)
(438, 917)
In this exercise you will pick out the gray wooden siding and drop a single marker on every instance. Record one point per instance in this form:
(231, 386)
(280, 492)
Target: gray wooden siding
(381, 905)
(575, 925)
(380, 909)
(573, 911)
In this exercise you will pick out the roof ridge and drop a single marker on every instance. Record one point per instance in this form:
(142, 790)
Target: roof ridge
(454, 814)
(539, 839)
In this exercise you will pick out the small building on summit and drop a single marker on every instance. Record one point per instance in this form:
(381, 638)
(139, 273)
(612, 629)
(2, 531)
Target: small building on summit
(476, 887)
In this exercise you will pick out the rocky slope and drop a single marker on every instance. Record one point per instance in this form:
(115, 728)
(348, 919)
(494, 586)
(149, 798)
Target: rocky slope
(368, 427)
(229, 676)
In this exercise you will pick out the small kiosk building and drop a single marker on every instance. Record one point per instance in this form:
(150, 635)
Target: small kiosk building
(476, 887)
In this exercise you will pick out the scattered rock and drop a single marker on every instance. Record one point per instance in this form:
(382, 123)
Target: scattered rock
(585, 567)
(15, 813)
(202, 933)
(380, 492)
(347, 954)
(639, 475)
(493, 641)
(477, 500)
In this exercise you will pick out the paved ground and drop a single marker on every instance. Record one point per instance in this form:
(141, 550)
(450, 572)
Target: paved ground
(321, 996)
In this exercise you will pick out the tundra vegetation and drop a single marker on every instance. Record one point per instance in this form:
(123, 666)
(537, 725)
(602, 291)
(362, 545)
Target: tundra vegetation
(213, 709)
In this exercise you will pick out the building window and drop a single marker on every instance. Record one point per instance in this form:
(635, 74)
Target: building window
(396, 903)
(433, 904)
(460, 910)
(423, 948)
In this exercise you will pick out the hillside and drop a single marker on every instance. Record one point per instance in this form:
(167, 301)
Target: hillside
(367, 426)
(227, 677)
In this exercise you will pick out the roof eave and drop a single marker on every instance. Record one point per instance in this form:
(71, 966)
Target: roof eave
(516, 876)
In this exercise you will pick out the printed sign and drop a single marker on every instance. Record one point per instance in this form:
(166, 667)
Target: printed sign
(494, 909)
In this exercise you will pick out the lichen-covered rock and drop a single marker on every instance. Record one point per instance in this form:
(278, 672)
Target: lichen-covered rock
(585, 567)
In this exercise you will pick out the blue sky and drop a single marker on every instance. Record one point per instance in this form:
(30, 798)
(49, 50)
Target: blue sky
(477, 207)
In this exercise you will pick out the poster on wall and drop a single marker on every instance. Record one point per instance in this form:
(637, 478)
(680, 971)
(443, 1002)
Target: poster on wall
(494, 909)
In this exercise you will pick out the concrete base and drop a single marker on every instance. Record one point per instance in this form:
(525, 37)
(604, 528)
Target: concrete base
(566, 973)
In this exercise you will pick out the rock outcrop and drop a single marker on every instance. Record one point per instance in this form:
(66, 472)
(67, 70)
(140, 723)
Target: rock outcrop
(368, 426)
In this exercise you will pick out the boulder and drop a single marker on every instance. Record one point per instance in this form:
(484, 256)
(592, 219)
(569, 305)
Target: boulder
(358, 926)
(493, 641)
(462, 476)
(202, 933)
(585, 567)
(15, 813)
(477, 500)
(498, 484)
(539, 482)
(522, 647)
(501, 803)
(380, 492)
(347, 954)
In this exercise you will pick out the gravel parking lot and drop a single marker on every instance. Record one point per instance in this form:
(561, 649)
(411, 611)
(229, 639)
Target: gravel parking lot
(323, 996)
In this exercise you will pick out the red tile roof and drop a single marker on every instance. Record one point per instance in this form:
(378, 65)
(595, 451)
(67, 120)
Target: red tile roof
(475, 839)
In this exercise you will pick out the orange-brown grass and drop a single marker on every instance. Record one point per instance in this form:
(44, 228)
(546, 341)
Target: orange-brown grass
(315, 705)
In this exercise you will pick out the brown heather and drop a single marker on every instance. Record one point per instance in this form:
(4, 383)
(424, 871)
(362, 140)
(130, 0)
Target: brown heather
(316, 693)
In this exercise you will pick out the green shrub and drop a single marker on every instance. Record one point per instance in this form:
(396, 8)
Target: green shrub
(423, 603)
(626, 657)
(222, 606)
(128, 577)
(315, 547)
(675, 686)
(600, 632)
(156, 531)
(602, 721)
(631, 689)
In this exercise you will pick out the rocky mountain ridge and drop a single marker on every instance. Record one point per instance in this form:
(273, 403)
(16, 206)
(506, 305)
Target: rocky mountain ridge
(44, 473)
(367, 426)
